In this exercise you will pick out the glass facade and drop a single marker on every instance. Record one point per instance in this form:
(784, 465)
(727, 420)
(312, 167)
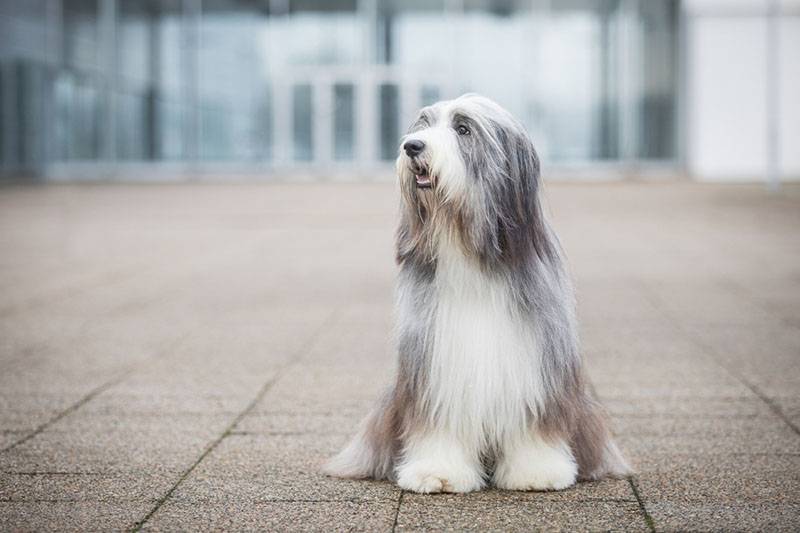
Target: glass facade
(313, 84)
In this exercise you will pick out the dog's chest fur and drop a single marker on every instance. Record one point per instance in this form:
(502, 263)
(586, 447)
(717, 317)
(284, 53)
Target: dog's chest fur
(485, 381)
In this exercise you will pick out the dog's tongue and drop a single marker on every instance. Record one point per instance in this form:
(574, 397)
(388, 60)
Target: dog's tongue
(423, 180)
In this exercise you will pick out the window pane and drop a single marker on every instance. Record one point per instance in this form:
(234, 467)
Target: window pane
(389, 121)
(148, 83)
(428, 94)
(343, 122)
(500, 44)
(659, 62)
(233, 92)
(317, 33)
(571, 99)
(413, 33)
(77, 118)
(302, 114)
(80, 33)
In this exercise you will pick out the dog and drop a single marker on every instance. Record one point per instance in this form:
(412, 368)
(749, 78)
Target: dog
(489, 387)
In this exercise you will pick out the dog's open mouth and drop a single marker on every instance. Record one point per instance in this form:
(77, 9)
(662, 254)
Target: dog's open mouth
(423, 178)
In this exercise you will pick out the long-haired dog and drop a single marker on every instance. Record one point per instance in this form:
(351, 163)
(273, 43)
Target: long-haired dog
(490, 385)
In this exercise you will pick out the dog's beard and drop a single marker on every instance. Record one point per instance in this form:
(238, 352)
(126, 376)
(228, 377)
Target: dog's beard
(434, 217)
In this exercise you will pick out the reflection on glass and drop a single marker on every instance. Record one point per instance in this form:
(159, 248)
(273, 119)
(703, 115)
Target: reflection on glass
(77, 120)
(592, 79)
(389, 120)
(491, 52)
(343, 121)
(302, 116)
(76, 93)
(317, 32)
(3, 119)
(80, 33)
(169, 115)
(232, 92)
(659, 62)
(428, 94)
(130, 127)
(413, 33)
(148, 37)
(571, 116)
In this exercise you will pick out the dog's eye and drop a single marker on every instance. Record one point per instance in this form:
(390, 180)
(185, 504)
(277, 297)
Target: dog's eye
(462, 130)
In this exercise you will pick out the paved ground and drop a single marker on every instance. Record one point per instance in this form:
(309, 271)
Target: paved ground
(185, 357)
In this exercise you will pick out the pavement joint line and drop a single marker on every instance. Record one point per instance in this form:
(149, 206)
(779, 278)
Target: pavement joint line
(69, 410)
(300, 353)
(76, 500)
(116, 380)
(642, 507)
(774, 407)
(712, 353)
(397, 510)
(324, 500)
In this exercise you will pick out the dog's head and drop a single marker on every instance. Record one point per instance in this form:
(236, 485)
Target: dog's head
(468, 169)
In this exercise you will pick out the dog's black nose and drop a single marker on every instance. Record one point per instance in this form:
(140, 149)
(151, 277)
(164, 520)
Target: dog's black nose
(413, 147)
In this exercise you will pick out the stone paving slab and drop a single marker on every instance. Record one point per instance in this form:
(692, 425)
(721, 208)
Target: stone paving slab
(133, 486)
(655, 407)
(83, 441)
(324, 422)
(433, 514)
(723, 479)
(617, 490)
(248, 467)
(185, 357)
(275, 516)
(71, 516)
(725, 517)
(703, 435)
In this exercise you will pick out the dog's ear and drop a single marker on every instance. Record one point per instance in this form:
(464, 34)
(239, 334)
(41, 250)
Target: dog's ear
(521, 226)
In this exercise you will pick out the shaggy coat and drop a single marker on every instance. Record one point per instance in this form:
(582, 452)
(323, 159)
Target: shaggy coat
(486, 334)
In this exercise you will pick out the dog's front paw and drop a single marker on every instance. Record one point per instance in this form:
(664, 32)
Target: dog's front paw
(536, 467)
(419, 477)
(537, 476)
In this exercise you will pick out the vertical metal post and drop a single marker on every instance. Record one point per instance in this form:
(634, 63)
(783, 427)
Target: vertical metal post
(9, 118)
(681, 136)
(322, 119)
(773, 96)
(190, 60)
(108, 47)
(54, 22)
(152, 128)
(366, 112)
(630, 86)
(281, 89)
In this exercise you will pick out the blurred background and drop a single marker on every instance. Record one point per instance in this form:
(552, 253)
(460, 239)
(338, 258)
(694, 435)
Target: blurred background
(298, 89)
(185, 355)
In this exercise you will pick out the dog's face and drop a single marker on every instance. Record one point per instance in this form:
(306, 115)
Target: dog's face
(467, 164)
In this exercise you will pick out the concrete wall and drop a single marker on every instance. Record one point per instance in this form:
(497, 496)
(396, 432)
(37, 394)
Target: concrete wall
(727, 89)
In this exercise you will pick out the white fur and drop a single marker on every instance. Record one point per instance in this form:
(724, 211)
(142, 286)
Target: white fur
(484, 382)
(484, 376)
(532, 463)
(439, 461)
